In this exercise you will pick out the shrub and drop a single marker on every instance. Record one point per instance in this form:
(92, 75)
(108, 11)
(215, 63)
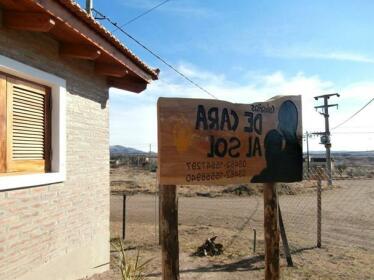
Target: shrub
(130, 269)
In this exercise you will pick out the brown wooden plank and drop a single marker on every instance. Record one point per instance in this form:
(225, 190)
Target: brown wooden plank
(80, 51)
(286, 247)
(30, 102)
(17, 107)
(28, 137)
(19, 131)
(10, 83)
(21, 112)
(34, 125)
(27, 142)
(34, 97)
(26, 98)
(213, 142)
(24, 86)
(29, 119)
(3, 123)
(169, 232)
(26, 166)
(113, 70)
(47, 131)
(39, 22)
(127, 84)
(23, 149)
(271, 232)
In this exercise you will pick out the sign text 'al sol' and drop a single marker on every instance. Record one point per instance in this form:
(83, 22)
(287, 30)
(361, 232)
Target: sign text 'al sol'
(212, 142)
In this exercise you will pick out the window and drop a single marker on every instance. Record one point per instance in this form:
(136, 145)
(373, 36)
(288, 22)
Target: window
(25, 115)
(37, 168)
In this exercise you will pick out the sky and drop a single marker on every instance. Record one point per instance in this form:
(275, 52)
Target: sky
(248, 51)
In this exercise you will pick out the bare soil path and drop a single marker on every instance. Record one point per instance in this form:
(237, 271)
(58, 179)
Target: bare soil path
(347, 237)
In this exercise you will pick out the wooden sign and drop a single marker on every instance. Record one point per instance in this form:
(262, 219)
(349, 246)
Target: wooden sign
(212, 142)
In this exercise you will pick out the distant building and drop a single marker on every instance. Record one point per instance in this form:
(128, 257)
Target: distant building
(320, 162)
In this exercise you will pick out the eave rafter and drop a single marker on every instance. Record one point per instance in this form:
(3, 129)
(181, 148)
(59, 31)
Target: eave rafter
(128, 84)
(112, 70)
(81, 51)
(38, 22)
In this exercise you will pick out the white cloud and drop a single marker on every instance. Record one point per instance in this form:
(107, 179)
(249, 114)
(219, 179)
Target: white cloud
(308, 53)
(173, 7)
(133, 117)
(344, 56)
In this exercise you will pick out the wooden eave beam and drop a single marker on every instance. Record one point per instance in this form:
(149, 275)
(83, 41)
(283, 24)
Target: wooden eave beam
(74, 23)
(38, 22)
(127, 84)
(111, 70)
(81, 51)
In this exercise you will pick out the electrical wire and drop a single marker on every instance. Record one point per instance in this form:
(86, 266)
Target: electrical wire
(353, 132)
(141, 15)
(339, 125)
(103, 17)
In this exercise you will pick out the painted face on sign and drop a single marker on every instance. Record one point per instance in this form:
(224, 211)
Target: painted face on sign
(288, 119)
(283, 152)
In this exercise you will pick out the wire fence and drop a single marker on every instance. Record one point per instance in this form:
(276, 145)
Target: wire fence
(236, 216)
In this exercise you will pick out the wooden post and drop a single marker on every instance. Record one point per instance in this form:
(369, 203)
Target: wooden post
(319, 212)
(169, 232)
(124, 218)
(271, 232)
(159, 215)
(254, 240)
(284, 239)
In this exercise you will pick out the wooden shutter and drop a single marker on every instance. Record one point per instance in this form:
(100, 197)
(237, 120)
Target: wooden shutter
(28, 127)
(3, 134)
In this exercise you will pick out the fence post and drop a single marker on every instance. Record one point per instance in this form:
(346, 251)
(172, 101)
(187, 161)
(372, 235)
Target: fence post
(124, 218)
(159, 215)
(254, 240)
(169, 232)
(319, 211)
(284, 238)
(271, 232)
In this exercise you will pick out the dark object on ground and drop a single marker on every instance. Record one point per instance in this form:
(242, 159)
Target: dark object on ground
(209, 248)
(240, 190)
(205, 194)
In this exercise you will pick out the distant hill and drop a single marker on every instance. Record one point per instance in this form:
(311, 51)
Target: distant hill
(121, 150)
(343, 153)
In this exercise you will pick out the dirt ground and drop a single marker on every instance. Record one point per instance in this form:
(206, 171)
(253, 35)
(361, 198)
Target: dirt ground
(347, 231)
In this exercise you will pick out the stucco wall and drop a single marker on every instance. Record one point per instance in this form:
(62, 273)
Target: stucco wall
(61, 231)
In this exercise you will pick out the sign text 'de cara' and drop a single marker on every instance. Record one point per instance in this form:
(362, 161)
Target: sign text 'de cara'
(212, 142)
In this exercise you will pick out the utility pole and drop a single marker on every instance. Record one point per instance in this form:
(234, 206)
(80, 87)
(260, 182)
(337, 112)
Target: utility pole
(307, 152)
(325, 139)
(89, 6)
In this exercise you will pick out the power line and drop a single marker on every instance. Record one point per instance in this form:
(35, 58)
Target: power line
(141, 15)
(102, 16)
(353, 132)
(367, 104)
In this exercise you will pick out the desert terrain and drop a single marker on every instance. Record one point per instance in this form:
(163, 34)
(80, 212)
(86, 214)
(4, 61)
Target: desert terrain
(234, 213)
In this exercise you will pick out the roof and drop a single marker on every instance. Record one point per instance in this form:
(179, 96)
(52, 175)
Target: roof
(81, 13)
(80, 37)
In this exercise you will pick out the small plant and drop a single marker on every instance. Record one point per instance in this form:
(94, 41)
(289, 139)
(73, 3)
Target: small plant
(130, 269)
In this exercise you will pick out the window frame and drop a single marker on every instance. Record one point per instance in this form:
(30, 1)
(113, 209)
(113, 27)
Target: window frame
(58, 126)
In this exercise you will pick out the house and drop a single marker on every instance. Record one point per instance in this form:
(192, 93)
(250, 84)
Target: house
(320, 162)
(56, 66)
